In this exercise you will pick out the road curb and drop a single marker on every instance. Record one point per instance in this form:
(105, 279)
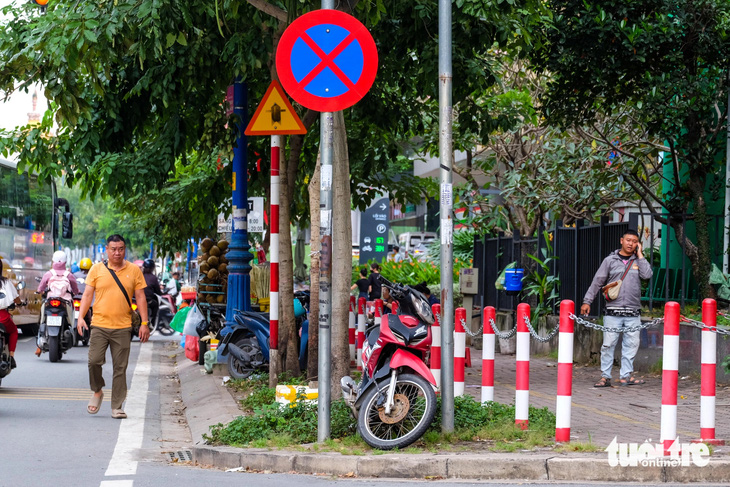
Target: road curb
(488, 466)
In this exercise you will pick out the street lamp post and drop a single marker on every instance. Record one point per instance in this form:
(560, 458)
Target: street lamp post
(239, 258)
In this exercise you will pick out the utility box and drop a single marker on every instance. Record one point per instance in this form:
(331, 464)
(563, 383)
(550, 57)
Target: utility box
(469, 281)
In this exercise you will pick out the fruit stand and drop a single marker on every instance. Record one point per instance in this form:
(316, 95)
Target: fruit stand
(213, 267)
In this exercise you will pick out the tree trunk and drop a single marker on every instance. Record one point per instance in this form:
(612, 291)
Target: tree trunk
(313, 345)
(698, 252)
(341, 256)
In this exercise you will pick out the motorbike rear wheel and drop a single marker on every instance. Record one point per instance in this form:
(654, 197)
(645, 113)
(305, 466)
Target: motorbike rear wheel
(241, 370)
(54, 348)
(412, 413)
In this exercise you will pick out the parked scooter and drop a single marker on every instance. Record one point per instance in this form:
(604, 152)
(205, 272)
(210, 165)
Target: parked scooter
(395, 401)
(83, 338)
(247, 344)
(56, 334)
(5, 367)
(165, 313)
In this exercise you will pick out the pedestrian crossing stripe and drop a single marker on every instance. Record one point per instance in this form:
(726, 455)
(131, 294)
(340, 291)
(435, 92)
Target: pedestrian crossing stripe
(48, 394)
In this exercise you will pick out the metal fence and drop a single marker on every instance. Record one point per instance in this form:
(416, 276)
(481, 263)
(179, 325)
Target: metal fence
(581, 248)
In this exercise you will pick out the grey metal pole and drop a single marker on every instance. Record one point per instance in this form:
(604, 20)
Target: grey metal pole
(447, 224)
(326, 145)
(726, 247)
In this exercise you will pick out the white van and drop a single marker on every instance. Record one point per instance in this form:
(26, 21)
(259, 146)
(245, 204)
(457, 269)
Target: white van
(411, 242)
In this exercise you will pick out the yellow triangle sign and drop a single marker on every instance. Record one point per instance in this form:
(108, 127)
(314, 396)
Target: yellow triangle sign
(275, 115)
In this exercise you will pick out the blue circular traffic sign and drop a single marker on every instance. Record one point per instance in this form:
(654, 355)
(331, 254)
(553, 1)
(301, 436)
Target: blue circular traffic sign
(326, 60)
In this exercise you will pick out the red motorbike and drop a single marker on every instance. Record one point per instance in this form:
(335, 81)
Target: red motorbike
(395, 402)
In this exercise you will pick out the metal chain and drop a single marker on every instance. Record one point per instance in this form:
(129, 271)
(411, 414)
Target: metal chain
(469, 332)
(503, 336)
(596, 326)
(702, 326)
(538, 337)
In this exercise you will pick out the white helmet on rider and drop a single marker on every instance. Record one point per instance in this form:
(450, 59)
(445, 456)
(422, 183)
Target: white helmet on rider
(59, 256)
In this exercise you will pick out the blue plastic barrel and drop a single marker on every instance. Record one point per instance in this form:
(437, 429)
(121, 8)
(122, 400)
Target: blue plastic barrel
(513, 279)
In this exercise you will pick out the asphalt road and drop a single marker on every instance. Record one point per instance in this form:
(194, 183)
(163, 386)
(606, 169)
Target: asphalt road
(49, 439)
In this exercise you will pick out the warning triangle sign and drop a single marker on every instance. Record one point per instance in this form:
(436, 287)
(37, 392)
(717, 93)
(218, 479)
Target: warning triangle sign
(275, 115)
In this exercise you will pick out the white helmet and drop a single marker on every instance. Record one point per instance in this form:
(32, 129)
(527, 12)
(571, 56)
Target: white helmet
(59, 256)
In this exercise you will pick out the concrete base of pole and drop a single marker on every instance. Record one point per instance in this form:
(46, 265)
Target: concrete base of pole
(273, 367)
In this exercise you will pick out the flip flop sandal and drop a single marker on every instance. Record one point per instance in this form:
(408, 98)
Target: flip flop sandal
(604, 382)
(630, 382)
(95, 402)
(118, 414)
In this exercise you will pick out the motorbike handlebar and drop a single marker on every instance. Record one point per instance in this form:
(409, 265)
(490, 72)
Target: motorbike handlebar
(393, 286)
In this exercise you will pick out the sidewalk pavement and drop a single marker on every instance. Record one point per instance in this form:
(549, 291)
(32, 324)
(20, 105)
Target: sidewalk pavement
(598, 415)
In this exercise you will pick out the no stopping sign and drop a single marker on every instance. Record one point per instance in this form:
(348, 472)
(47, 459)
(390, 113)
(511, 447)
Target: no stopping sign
(326, 60)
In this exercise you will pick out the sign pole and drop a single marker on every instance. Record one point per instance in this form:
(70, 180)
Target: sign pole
(326, 147)
(445, 209)
(239, 284)
(274, 251)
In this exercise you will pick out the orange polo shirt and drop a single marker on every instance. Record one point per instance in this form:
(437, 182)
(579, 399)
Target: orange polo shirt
(111, 309)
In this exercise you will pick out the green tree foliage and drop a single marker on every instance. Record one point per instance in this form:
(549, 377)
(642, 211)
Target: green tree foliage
(664, 60)
(95, 220)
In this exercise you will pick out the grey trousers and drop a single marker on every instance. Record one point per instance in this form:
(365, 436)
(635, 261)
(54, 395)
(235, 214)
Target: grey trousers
(119, 340)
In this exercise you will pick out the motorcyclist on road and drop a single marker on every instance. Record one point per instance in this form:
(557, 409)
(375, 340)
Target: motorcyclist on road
(60, 283)
(152, 290)
(8, 296)
(82, 273)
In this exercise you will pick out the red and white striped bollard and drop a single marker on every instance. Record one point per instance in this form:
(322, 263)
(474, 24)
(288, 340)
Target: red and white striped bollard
(351, 330)
(459, 351)
(670, 375)
(522, 376)
(565, 372)
(436, 344)
(489, 315)
(709, 374)
(361, 319)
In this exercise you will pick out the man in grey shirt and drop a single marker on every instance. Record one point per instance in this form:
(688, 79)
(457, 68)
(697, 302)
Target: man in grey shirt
(625, 310)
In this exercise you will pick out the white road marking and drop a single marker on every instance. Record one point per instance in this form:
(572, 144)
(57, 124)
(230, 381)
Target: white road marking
(131, 430)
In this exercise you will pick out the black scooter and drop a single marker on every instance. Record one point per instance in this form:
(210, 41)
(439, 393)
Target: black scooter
(56, 335)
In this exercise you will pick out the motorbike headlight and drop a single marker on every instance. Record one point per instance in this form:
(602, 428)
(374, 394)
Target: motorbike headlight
(423, 309)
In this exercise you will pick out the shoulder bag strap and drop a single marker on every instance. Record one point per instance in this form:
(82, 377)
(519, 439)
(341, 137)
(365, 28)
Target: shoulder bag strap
(124, 291)
(626, 271)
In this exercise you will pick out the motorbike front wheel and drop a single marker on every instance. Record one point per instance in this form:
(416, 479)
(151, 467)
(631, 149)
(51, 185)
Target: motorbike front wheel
(242, 370)
(164, 328)
(54, 348)
(412, 413)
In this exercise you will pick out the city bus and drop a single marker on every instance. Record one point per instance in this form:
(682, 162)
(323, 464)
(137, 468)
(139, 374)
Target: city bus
(29, 232)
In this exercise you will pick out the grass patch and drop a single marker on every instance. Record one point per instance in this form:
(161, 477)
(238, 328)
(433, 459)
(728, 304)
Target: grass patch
(256, 390)
(579, 447)
(491, 424)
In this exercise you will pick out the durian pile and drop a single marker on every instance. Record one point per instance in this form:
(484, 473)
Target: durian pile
(213, 266)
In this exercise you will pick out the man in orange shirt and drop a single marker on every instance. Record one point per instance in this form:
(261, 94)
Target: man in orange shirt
(112, 321)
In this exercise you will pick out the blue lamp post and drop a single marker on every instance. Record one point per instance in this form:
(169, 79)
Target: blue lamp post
(239, 258)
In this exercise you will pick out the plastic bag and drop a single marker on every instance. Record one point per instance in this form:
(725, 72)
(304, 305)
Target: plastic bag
(192, 320)
(192, 349)
(178, 322)
(499, 283)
